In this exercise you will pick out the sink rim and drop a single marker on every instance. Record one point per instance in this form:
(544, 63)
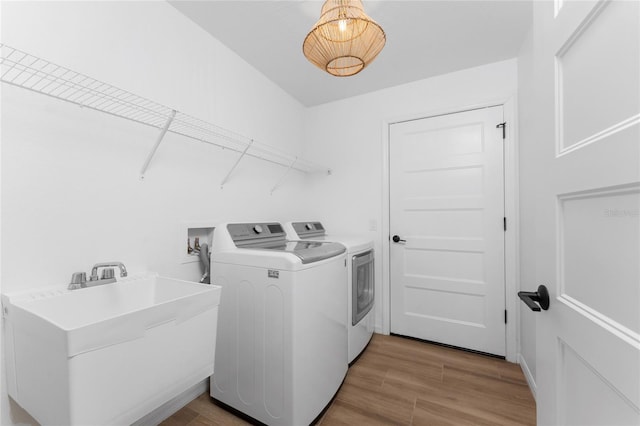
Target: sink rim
(23, 300)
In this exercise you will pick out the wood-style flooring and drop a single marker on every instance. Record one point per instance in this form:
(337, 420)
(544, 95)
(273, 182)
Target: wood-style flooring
(400, 381)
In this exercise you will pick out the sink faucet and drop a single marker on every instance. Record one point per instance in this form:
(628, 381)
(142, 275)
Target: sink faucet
(79, 279)
(94, 270)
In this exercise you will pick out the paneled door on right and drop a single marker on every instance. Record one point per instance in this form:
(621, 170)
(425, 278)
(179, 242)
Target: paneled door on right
(587, 113)
(446, 198)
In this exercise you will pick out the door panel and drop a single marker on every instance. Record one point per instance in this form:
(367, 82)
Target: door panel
(580, 385)
(588, 204)
(450, 224)
(597, 62)
(447, 202)
(604, 244)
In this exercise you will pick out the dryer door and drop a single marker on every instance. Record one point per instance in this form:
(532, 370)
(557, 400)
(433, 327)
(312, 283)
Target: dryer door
(362, 285)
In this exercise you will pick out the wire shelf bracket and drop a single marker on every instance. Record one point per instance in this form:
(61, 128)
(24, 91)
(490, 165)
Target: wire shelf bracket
(157, 144)
(277, 185)
(226, 178)
(30, 72)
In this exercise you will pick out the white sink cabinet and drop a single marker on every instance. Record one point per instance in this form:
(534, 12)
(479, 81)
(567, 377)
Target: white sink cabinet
(110, 354)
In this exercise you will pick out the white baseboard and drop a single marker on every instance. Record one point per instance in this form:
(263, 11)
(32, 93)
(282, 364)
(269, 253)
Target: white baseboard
(166, 410)
(527, 374)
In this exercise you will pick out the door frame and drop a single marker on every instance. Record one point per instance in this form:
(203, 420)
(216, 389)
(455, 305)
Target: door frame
(512, 265)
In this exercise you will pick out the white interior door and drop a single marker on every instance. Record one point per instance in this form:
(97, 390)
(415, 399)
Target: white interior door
(588, 254)
(447, 201)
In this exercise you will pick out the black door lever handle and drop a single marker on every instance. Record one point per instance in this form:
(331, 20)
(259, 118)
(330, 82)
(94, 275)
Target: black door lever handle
(541, 297)
(396, 239)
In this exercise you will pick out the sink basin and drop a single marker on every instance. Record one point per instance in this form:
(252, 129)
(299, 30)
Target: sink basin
(108, 354)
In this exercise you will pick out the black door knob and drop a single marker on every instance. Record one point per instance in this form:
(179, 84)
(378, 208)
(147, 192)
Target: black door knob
(396, 239)
(541, 297)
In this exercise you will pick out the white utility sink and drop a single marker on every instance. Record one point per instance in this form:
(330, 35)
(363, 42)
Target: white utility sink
(110, 354)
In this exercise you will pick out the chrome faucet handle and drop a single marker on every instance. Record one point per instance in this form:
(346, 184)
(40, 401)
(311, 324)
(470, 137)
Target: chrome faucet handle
(107, 274)
(78, 280)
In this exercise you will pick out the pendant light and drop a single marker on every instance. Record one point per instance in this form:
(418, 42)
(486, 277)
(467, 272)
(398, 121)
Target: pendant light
(344, 40)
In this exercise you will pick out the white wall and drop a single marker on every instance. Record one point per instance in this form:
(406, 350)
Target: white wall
(71, 193)
(349, 135)
(527, 232)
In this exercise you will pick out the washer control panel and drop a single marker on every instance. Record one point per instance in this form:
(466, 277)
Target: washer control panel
(245, 233)
(308, 229)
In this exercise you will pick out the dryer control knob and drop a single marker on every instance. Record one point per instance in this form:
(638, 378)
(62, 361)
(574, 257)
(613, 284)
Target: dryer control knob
(309, 226)
(257, 229)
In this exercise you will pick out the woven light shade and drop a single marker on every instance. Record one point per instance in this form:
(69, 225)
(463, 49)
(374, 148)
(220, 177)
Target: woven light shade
(344, 40)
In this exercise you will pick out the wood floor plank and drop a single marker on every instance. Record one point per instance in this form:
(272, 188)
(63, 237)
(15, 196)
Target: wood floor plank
(368, 373)
(205, 421)
(422, 417)
(512, 372)
(428, 413)
(413, 386)
(392, 407)
(181, 417)
(385, 363)
(365, 382)
(463, 414)
(471, 402)
(466, 382)
(401, 347)
(399, 381)
(345, 414)
(205, 407)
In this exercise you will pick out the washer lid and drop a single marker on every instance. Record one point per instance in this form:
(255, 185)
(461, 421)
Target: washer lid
(307, 251)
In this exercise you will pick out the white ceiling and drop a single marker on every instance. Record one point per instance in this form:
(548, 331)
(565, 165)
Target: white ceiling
(424, 39)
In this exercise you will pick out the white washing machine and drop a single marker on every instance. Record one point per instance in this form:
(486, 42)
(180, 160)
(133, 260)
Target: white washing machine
(360, 273)
(281, 349)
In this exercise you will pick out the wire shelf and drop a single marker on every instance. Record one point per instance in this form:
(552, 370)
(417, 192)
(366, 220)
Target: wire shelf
(30, 72)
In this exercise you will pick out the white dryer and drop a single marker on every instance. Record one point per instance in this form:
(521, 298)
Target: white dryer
(360, 275)
(281, 349)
